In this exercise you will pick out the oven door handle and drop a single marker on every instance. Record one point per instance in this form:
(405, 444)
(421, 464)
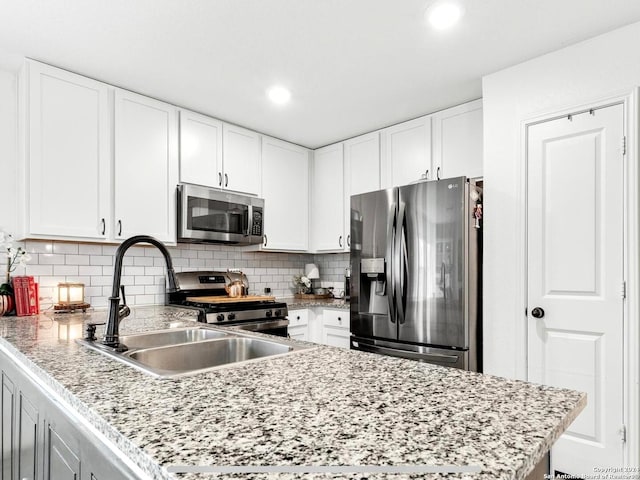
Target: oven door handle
(262, 325)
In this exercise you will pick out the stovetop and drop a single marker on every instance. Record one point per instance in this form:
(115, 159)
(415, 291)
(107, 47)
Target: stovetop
(211, 284)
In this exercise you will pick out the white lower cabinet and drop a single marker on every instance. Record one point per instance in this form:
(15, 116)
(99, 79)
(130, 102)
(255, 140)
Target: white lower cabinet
(299, 324)
(335, 328)
(327, 326)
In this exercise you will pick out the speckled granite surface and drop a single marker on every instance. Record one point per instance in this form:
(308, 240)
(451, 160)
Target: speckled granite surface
(294, 303)
(323, 406)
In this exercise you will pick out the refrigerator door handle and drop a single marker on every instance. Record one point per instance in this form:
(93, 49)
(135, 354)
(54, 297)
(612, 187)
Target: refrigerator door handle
(400, 260)
(396, 352)
(391, 235)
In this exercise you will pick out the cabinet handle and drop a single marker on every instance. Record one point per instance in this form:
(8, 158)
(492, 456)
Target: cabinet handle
(339, 319)
(104, 226)
(119, 227)
(219, 179)
(265, 240)
(298, 317)
(348, 240)
(340, 241)
(226, 180)
(438, 173)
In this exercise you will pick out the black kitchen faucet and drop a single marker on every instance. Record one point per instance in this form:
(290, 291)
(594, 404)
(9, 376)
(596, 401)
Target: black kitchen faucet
(117, 311)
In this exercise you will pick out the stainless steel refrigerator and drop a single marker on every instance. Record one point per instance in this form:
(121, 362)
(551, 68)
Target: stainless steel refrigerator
(416, 272)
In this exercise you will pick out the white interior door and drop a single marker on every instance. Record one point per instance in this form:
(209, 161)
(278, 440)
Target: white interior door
(575, 276)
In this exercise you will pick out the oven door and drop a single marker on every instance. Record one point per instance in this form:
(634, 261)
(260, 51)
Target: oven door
(278, 327)
(209, 215)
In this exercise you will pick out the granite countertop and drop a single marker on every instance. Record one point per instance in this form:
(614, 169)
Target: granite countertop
(322, 407)
(297, 303)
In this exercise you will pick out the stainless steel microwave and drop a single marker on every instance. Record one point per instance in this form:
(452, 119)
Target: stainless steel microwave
(206, 215)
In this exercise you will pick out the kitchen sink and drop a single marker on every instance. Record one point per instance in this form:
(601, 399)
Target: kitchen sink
(204, 355)
(173, 336)
(181, 352)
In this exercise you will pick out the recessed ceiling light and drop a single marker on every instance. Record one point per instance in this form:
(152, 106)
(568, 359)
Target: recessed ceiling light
(279, 95)
(444, 15)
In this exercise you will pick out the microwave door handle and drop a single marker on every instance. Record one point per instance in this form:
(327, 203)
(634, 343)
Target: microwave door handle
(249, 220)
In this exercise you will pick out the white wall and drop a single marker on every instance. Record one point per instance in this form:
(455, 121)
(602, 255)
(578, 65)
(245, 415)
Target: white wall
(605, 66)
(8, 148)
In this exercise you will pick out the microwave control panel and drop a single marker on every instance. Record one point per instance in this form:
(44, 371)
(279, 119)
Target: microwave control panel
(256, 224)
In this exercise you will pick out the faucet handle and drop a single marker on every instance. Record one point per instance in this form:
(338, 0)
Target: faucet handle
(123, 309)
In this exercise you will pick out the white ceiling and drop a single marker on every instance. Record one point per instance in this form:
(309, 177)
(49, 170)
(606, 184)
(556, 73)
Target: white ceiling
(352, 65)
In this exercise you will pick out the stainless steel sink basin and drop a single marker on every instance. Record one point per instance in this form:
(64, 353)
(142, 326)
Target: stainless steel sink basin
(204, 355)
(181, 352)
(172, 336)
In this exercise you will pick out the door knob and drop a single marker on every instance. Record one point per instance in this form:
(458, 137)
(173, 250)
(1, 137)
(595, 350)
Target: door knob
(537, 312)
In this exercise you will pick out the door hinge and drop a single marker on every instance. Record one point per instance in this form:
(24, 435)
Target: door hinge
(624, 145)
(624, 290)
(623, 433)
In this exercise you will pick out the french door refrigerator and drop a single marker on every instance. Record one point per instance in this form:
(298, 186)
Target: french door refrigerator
(416, 272)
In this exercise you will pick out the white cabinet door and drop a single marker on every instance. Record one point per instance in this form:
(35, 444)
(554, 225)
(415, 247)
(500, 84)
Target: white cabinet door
(335, 328)
(299, 324)
(327, 203)
(146, 167)
(285, 189)
(242, 166)
(68, 156)
(407, 153)
(200, 149)
(457, 141)
(361, 172)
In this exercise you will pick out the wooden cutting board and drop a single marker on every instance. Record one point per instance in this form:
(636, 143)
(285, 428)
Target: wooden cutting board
(227, 299)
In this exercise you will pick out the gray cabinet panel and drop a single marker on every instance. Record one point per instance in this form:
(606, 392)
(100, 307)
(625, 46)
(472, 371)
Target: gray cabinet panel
(27, 439)
(7, 422)
(62, 463)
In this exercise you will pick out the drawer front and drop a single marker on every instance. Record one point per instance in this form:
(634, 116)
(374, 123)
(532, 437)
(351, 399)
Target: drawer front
(335, 318)
(298, 318)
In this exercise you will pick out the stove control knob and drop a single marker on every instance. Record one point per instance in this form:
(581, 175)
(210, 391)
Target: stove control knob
(277, 313)
(268, 313)
(220, 317)
(231, 316)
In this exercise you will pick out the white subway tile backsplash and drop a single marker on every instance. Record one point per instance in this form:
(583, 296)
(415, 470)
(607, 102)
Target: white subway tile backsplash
(144, 269)
(101, 260)
(71, 248)
(50, 259)
(65, 270)
(89, 249)
(76, 259)
(37, 270)
(33, 246)
(143, 261)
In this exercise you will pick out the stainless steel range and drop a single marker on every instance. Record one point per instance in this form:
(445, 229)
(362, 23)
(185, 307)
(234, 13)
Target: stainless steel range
(207, 292)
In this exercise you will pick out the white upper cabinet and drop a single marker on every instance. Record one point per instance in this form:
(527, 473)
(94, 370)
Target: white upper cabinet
(406, 153)
(457, 141)
(218, 155)
(67, 174)
(327, 200)
(361, 172)
(242, 155)
(146, 167)
(285, 189)
(200, 149)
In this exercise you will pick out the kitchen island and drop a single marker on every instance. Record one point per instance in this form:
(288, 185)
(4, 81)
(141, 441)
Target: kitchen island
(318, 407)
